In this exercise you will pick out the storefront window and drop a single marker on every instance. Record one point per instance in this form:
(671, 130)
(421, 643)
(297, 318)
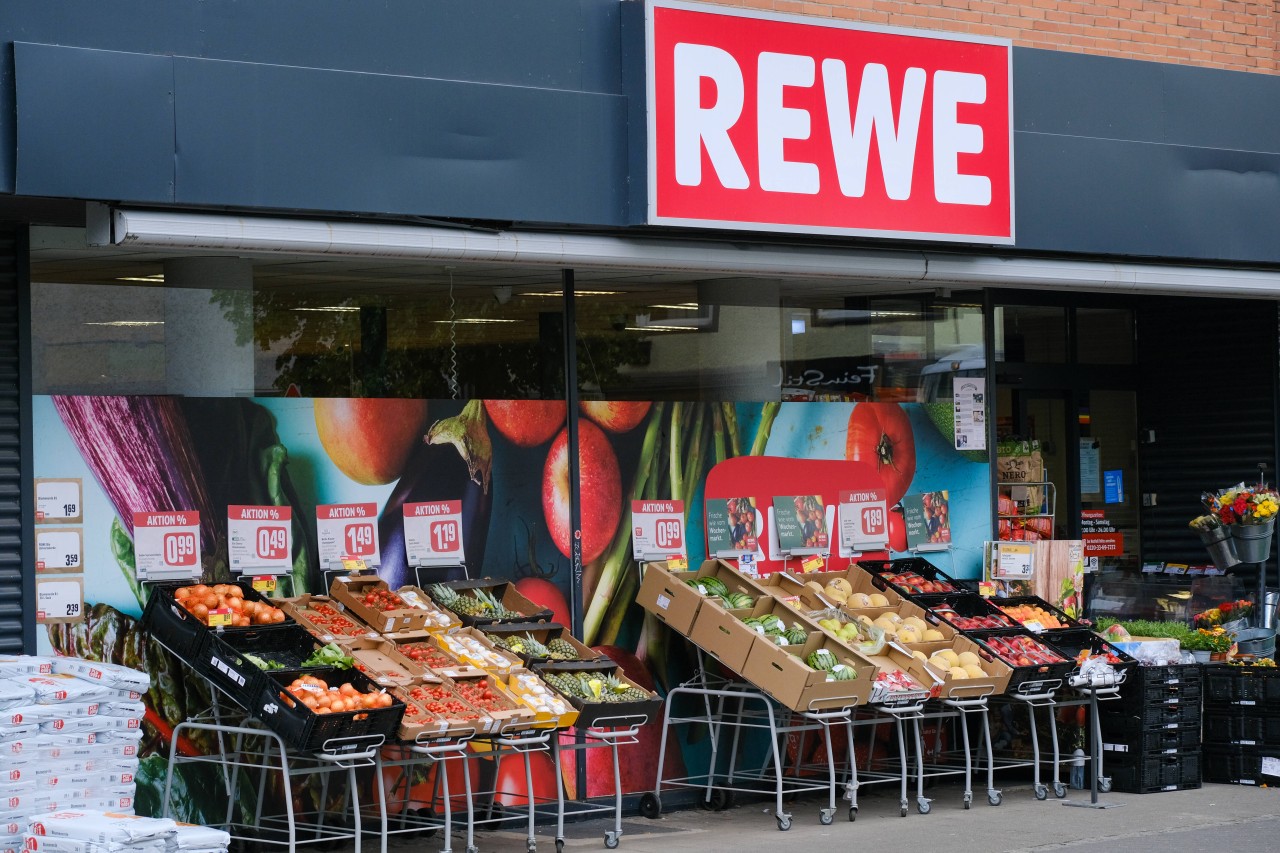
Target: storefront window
(1032, 334)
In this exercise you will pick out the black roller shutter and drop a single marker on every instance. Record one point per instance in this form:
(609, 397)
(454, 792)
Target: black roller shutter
(1208, 391)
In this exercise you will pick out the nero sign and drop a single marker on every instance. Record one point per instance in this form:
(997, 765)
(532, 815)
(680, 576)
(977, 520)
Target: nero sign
(769, 122)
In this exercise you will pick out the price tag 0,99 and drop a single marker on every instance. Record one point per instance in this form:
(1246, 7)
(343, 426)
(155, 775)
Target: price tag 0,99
(657, 530)
(166, 545)
(433, 533)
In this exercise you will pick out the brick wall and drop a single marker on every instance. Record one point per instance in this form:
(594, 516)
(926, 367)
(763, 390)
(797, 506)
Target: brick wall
(1234, 34)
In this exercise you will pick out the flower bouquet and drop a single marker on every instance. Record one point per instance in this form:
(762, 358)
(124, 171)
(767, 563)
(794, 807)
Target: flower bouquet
(1239, 524)
(1230, 615)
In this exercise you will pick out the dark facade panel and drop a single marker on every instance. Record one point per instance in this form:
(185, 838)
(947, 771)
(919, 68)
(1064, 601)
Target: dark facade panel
(281, 137)
(93, 124)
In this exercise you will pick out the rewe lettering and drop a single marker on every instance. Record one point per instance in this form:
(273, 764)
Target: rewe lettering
(849, 124)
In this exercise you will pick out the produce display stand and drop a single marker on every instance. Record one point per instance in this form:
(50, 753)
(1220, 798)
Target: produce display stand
(1034, 695)
(962, 710)
(898, 713)
(408, 756)
(610, 732)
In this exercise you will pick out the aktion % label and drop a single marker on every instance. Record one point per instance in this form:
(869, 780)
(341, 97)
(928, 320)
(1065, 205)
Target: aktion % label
(864, 520)
(347, 531)
(166, 545)
(260, 539)
(433, 533)
(657, 530)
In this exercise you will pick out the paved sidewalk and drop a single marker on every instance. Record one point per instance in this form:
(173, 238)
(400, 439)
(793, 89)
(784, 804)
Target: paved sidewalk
(1229, 818)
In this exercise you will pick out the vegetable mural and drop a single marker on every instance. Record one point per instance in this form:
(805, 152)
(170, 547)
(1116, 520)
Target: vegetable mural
(507, 462)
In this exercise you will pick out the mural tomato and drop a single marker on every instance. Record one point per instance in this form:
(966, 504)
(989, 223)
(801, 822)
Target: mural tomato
(880, 434)
(526, 423)
(897, 531)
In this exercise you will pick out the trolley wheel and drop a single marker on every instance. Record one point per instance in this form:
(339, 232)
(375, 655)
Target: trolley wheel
(922, 805)
(902, 812)
(611, 840)
(968, 801)
(1104, 784)
(560, 845)
(995, 798)
(650, 806)
(853, 813)
(784, 822)
(473, 849)
(721, 800)
(1042, 793)
(1059, 790)
(531, 846)
(826, 817)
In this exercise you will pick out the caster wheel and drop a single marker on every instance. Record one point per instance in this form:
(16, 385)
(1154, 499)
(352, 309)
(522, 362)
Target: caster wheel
(650, 806)
(784, 822)
(473, 850)
(1059, 790)
(968, 801)
(531, 846)
(923, 806)
(995, 798)
(611, 840)
(721, 800)
(560, 844)
(1042, 793)
(853, 814)
(1104, 784)
(902, 812)
(826, 817)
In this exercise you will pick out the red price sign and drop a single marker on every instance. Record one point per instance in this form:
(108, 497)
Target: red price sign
(433, 533)
(347, 531)
(180, 549)
(657, 529)
(874, 522)
(864, 520)
(358, 539)
(166, 545)
(260, 539)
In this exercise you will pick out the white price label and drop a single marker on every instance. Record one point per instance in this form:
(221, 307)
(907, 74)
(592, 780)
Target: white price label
(59, 550)
(864, 520)
(260, 539)
(347, 531)
(1014, 561)
(60, 600)
(58, 500)
(433, 533)
(166, 545)
(657, 530)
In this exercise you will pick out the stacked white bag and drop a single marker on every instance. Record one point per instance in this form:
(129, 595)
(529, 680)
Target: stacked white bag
(69, 734)
(91, 831)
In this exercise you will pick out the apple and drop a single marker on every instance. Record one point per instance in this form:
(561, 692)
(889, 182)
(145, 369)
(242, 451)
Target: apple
(526, 423)
(370, 438)
(600, 486)
(616, 415)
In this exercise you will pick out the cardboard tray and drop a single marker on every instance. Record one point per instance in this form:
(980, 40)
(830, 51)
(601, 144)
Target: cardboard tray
(419, 724)
(785, 584)
(380, 659)
(485, 659)
(668, 597)
(438, 618)
(445, 663)
(615, 714)
(348, 591)
(543, 717)
(543, 632)
(994, 683)
(723, 635)
(507, 594)
(513, 714)
(304, 610)
(782, 672)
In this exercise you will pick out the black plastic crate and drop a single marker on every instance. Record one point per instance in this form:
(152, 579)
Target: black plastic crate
(1149, 718)
(1150, 774)
(1035, 600)
(224, 660)
(1242, 765)
(1226, 683)
(957, 609)
(307, 731)
(1174, 675)
(505, 592)
(1153, 742)
(181, 632)
(881, 569)
(1135, 693)
(1235, 727)
(544, 632)
(1026, 678)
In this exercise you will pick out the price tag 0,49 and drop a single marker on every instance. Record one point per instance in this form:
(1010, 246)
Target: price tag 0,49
(166, 545)
(433, 533)
(260, 539)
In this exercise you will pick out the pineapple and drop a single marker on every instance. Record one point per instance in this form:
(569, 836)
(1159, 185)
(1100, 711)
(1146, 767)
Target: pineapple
(533, 648)
(462, 604)
(561, 649)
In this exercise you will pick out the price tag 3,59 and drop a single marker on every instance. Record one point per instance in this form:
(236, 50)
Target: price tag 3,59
(347, 531)
(166, 545)
(657, 530)
(433, 533)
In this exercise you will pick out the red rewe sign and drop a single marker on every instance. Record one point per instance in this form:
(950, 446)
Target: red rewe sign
(780, 123)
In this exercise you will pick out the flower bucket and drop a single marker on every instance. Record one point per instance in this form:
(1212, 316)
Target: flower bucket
(1235, 626)
(1253, 541)
(1220, 546)
(1202, 656)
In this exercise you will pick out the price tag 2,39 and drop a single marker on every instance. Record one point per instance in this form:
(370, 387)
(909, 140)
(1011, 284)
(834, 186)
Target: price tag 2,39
(260, 539)
(347, 531)
(433, 533)
(166, 545)
(657, 530)
(59, 599)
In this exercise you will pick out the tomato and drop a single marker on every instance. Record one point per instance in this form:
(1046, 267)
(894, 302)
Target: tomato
(510, 788)
(880, 434)
(526, 423)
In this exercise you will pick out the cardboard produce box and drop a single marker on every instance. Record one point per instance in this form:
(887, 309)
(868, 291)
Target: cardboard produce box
(489, 693)
(471, 647)
(923, 682)
(543, 633)
(438, 619)
(993, 682)
(518, 607)
(725, 636)
(381, 660)
(551, 710)
(451, 717)
(669, 597)
(350, 592)
(783, 673)
(421, 649)
(325, 618)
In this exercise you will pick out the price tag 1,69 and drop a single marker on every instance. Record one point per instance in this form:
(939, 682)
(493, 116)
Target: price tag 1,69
(864, 520)
(166, 545)
(433, 533)
(260, 539)
(347, 531)
(657, 530)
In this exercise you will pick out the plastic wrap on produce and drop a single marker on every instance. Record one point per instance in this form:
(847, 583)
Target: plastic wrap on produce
(102, 827)
(190, 837)
(107, 674)
(1153, 652)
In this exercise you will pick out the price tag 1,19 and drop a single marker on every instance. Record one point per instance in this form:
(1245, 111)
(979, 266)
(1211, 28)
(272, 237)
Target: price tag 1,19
(433, 533)
(864, 520)
(260, 539)
(347, 531)
(166, 545)
(657, 530)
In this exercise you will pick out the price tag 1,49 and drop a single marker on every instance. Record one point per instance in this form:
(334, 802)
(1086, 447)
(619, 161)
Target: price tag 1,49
(347, 531)
(260, 539)
(433, 533)
(657, 530)
(166, 545)
(864, 520)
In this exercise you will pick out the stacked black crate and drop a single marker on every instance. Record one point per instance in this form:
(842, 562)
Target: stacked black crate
(1242, 724)
(1151, 734)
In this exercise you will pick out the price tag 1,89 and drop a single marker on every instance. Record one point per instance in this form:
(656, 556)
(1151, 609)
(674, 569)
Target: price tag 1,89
(347, 531)
(864, 520)
(657, 530)
(260, 539)
(166, 545)
(433, 533)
